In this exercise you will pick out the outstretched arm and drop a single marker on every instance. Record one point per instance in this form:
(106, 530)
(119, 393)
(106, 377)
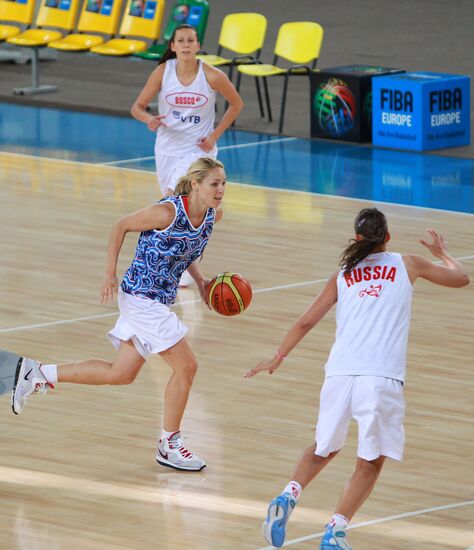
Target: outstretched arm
(450, 274)
(310, 318)
(157, 216)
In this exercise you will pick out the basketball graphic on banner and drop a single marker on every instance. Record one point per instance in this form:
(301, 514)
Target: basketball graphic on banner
(335, 107)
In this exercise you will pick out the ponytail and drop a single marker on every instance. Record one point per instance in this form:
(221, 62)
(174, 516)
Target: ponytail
(183, 187)
(169, 53)
(371, 225)
(198, 170)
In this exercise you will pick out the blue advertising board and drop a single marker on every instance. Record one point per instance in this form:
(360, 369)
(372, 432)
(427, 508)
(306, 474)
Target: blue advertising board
(421, 111)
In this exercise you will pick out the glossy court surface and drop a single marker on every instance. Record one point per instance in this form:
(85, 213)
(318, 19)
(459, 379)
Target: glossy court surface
(77, 469)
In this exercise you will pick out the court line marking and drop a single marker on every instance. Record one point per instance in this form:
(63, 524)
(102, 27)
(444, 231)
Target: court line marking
(380, 520)
(223, 148)
(185, 302)
(255, 186)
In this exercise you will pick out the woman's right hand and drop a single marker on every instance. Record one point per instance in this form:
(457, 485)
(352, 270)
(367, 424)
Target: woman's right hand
(109, 288)
(155, 122)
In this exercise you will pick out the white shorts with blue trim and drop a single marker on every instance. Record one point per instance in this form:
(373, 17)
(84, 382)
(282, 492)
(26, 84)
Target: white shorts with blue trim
(151, 326)
(378, 406)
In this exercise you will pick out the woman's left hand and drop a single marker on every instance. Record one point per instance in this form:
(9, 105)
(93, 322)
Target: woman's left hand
(207, 143)
(204, 291)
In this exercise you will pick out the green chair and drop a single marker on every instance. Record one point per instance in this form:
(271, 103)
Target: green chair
(190, 12)
(298, 43)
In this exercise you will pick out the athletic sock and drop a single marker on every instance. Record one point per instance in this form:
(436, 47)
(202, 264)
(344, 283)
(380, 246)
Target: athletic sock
(167, 435)
(339, 521)
(294, 488)
(50, 372)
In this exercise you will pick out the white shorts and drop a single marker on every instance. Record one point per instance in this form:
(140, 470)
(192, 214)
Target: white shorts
(378, 406)
(170, 169)
(151, 326)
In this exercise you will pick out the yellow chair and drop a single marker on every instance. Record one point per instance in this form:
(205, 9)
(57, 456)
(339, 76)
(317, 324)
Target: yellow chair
(298, 43)
(141, 18)
(96, 17)
(243, 34)
(15, 12)
(60, 14)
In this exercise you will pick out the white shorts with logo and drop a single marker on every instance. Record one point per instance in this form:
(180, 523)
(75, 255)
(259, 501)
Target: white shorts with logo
(151, 326)
(378, 406)
(170, 169)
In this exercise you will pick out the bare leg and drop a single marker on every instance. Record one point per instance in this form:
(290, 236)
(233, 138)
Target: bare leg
(359, 487)
(310, 465)
(183, 362)
(123, 370)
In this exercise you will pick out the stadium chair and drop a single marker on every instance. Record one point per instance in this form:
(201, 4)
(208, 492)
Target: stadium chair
(243, 34)
(142, 18)
(298, 43)
(191, 12)
(96, 17)
(15, 12)
(60, 14)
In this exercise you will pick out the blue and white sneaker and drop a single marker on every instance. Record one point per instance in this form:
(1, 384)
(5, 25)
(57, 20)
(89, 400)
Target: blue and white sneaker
(279, 511)
(334, 539)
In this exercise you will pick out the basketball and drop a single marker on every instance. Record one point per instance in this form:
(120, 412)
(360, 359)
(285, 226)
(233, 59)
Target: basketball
(229, 294)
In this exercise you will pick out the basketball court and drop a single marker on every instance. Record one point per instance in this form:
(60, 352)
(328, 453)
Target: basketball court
(77, 468)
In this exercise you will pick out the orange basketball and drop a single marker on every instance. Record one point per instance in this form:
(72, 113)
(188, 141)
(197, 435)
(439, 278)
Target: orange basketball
(229, 293)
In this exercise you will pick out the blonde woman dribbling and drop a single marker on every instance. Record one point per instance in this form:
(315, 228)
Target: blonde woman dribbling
(173, 235)
(365, 371)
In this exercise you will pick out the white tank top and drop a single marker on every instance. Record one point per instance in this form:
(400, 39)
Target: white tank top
(372, 319)
(189, 110)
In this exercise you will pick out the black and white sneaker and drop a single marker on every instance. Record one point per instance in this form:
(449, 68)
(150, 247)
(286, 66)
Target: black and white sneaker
(28, 380)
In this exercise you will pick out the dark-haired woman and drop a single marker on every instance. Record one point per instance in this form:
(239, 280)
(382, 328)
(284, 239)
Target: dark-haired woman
(186, 89)
(173, 234)
(365, 371)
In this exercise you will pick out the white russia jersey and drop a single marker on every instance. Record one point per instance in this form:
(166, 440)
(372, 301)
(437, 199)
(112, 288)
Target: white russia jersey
(372, 319)
(189, 113)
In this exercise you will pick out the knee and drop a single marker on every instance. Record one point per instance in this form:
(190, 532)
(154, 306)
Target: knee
(369, 468)
(121, 378)
(189, 369)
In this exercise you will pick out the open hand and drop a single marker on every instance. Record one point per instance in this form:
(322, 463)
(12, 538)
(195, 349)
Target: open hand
(109, 288)
(203, 287)
(270, 366)
(438, 245)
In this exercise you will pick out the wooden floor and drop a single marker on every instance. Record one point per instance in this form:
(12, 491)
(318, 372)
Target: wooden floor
(77, 469)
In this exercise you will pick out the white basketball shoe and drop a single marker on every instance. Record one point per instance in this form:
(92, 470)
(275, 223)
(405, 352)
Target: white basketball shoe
(172, 453)
(28, 380)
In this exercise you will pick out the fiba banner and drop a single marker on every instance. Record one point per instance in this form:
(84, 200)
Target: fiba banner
(421, 111)
(341, 101)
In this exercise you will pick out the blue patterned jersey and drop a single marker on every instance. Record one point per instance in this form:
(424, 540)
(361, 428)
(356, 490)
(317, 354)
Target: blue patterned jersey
(163, 255)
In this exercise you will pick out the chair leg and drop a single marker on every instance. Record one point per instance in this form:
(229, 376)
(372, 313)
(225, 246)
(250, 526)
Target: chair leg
(35, 86)
(283, 104)
(259, 95)
(239, 78)
(267, 99)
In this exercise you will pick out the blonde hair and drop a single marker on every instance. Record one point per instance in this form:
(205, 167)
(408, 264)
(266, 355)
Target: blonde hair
(198, 170)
